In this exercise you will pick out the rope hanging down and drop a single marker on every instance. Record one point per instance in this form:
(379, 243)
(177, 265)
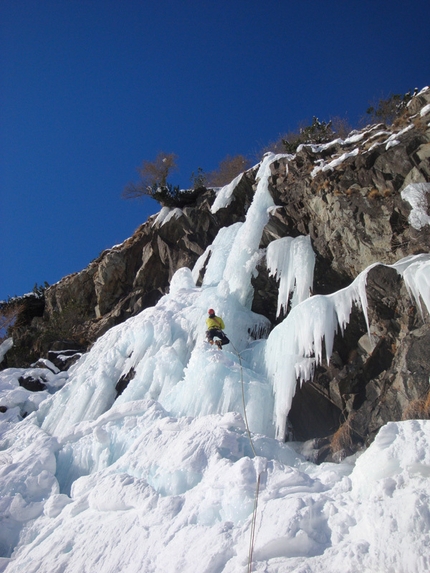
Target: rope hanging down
(257, 490)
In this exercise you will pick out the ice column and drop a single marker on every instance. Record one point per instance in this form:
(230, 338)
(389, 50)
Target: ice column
(245, 253)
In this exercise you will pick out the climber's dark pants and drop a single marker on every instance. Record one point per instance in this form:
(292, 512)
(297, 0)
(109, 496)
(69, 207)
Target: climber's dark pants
(219, 334)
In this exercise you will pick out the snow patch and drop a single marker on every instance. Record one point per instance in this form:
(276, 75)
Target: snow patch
(166, 214)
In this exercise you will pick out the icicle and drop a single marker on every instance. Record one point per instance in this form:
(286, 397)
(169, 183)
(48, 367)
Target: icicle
(294, 348)
(417, 278)
(292, 262)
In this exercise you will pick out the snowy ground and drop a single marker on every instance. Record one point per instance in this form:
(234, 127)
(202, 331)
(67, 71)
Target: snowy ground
(163, 478)
(166, 494)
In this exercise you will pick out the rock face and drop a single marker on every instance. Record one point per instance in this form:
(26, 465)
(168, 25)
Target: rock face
(123, 280)
(347, 196)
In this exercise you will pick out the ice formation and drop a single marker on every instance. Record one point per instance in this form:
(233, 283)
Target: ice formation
(225, 194)
(162, 476)
(416, 195)
(417, 278)
(4, 347)
(292, 262)
(244, 254)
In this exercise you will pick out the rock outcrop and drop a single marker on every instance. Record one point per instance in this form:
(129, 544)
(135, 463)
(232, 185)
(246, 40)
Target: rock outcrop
(347, 195)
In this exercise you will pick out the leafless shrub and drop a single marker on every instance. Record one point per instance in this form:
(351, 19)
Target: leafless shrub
(374, 193)
(228, 169)
(315, 132)
(341, 127)
(388, 109)
(153, 175)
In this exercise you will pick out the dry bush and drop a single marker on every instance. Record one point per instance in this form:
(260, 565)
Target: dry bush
(352, 190)
(153, 174)
(418, 409)
(276, 146)
(341, 127)
(387, 110)
(228, 169)
(373, 193)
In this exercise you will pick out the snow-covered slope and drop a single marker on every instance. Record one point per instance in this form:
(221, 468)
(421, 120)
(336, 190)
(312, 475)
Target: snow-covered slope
(182, 471)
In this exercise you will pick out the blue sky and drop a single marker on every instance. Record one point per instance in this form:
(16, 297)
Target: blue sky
(90, 88)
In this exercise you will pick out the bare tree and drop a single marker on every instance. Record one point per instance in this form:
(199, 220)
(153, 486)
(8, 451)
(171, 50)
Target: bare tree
(388, 109)
(227, 170)
(152, 175)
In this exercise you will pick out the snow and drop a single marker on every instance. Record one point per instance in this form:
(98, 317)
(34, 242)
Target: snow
(394, 140)
(334, 163)
(166, 214)
(163, 477)
(224, 195)
(355, 137)
(319, 147)
(425, 110)
(416, 195)
(181, 491)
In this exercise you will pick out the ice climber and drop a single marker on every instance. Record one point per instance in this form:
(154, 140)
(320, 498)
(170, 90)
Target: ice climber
(215, 326)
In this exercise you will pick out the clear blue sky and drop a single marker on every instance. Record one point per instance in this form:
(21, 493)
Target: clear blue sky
(90, 88)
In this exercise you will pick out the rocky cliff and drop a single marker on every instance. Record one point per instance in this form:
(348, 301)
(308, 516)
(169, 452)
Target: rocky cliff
(348, 196)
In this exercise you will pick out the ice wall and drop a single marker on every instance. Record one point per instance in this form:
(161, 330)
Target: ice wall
(164, 346)
(212, 261)
(163, 351)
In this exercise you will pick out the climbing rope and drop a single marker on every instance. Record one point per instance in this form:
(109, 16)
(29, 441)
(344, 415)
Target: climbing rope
(257, 490)
(243, 400)
(253, 524)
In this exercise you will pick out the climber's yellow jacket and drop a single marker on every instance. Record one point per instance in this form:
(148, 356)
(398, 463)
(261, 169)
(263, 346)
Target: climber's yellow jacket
(215, 322)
